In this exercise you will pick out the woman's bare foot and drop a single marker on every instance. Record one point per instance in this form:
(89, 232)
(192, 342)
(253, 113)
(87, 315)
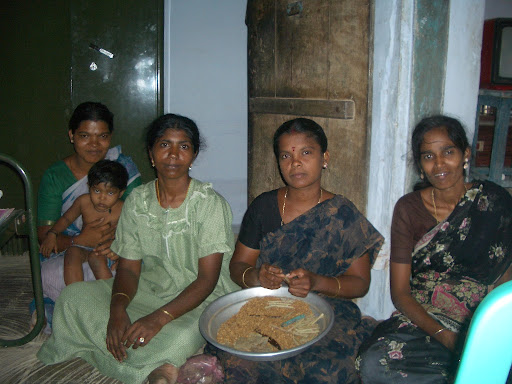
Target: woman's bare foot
(166, 374)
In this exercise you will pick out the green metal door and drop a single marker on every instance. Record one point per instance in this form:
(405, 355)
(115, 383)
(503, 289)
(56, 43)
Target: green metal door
(116, 49)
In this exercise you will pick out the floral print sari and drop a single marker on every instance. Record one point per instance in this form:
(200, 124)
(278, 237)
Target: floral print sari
(454, 266)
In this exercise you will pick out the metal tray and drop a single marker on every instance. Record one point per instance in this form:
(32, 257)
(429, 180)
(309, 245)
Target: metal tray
(227, 306)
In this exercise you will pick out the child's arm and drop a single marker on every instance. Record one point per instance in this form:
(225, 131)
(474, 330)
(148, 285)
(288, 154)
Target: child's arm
(104, 249)
(49, 244)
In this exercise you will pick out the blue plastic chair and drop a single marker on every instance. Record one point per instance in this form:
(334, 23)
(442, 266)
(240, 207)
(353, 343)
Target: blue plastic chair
(487, 353)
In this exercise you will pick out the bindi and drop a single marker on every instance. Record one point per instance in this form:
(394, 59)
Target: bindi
(293, 149)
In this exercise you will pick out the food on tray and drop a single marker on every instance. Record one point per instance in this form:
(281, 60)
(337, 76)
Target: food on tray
(270, 324)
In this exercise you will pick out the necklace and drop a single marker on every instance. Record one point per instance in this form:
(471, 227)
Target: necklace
(158, 191)
(284, 203)
(434, 202)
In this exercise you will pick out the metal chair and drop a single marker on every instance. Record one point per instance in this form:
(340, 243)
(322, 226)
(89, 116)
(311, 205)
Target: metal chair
(487, 353)
(35, 265)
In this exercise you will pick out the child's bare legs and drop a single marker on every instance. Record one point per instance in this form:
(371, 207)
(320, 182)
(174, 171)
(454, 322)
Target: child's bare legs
(99, 266)
(73, 259)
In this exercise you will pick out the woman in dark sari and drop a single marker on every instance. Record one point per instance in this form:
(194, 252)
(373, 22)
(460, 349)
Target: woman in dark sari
(315, 241)
(451, 243)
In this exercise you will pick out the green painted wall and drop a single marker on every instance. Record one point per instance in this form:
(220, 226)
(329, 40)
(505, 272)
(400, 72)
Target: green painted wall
(35, 92)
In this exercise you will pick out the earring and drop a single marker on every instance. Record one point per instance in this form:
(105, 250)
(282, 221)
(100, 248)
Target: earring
(422, 176)
(190, 168)
(152, 163)
(72, 141)
(325, 166)
(466, 165)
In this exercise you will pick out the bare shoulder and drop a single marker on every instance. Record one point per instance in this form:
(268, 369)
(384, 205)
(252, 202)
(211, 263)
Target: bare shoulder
(116, 210)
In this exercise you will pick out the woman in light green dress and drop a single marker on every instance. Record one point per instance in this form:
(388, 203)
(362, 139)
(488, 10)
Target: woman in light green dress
(175, 242)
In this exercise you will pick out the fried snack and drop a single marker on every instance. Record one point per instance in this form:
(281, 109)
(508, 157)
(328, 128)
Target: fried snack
(270, 324)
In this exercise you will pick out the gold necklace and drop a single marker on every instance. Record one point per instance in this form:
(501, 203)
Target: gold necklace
(434, 202)
(284, 203)
(158, 191)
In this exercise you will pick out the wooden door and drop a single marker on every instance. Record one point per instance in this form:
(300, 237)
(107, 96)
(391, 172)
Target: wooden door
(310, 58)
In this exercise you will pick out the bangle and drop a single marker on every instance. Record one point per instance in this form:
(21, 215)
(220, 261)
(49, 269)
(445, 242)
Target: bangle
(243, 277)
(439, 331)
(122, 294)
(167, 313)
(339, 286)
(54, 232)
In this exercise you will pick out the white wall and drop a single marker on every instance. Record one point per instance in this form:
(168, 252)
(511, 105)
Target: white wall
(463, 61)
(205, 78)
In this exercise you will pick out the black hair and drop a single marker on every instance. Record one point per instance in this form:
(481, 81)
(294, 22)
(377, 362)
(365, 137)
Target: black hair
(109, 172)
(454, 130)
(171, 121)
(301, 125)
(93, 111)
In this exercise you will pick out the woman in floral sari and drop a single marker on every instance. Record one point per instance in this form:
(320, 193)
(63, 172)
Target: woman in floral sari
(451, 243)
(317, 242)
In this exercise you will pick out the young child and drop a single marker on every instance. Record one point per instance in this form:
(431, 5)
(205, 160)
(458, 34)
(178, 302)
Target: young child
(107, 181)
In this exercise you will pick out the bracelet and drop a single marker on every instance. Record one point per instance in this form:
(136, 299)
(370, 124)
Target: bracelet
(54, 232)
(339, 286)
(439, 331)
(243, 277)
(122, 294)
(167, 313)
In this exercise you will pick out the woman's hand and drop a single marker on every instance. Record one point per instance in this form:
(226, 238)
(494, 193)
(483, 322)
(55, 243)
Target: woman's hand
(146, 328)
(105, 251)
(300, 282)
(118, 323)
(448, 339)
(270, 276)
(96, 234)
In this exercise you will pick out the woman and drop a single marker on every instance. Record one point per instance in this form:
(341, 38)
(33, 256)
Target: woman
(90, 132)
(171, 238)
(317, 242)
(451, 242)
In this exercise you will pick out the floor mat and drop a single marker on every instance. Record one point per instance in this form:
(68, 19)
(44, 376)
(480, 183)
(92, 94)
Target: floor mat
(19, 364)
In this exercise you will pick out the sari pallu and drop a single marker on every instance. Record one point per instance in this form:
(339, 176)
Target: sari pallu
(456, 263)
(453, 266)
(324, 240)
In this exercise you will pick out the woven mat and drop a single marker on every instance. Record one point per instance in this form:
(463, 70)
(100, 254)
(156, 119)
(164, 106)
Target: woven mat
(19, 364)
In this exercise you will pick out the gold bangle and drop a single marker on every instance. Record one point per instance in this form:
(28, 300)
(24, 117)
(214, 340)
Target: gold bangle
(122, 294)
(439, 331)
(167, 313)
(339, 286)
(243, 277)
